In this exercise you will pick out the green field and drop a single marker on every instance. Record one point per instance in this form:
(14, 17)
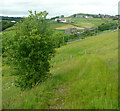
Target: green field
(95, 21)
(84, 76)
(55, 25)
(81, 23)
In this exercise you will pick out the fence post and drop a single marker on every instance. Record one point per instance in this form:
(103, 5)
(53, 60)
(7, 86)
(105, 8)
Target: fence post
(71, 56)
(85, 51)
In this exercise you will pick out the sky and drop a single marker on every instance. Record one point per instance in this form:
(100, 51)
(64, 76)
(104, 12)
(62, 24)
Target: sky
(19, 8)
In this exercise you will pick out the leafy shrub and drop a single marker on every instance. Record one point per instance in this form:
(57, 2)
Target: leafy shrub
(107, 26)
(7, 41)
(31, 50)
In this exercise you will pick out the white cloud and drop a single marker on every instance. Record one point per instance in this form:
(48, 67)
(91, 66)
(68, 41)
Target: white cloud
(58, 7)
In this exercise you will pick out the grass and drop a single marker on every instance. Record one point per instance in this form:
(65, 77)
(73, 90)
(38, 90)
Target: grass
(93, 21)
(85, 76)
(68, 26)
(82, 23)
(55, 25)
(86, 25)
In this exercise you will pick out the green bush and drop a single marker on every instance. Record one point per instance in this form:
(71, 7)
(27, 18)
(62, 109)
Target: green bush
(7, 41)
(31, 50)
(107, 26)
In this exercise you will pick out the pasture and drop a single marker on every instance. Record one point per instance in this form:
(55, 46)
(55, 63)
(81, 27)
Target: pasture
(84, 76)
(81, 23)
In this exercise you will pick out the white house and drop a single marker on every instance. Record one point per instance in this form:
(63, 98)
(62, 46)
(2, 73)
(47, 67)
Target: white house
(79, 16)
(86, 17)
(13, 21)
(63, 20)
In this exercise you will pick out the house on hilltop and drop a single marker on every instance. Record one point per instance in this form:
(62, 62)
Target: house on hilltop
(64, 20)
(68, 20)
(79, 16)
(82, 16)
(107, 16)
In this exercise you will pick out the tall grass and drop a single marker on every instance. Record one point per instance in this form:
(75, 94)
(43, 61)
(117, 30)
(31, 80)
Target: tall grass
(84, 76)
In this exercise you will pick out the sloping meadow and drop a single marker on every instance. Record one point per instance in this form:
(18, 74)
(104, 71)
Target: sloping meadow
(84, 76)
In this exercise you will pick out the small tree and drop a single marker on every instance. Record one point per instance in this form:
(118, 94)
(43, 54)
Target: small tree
(32, 49)
(58, 21)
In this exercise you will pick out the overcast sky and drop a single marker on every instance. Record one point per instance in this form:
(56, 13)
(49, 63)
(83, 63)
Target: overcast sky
(58, 7)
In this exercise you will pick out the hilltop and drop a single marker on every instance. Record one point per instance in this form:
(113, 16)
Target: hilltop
(81, 21)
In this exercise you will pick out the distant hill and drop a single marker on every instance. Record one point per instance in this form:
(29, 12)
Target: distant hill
(9, 21)
(11, 18)
(83, 15)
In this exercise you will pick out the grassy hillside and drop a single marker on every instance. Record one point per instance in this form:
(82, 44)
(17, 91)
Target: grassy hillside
(95, 21)
(82, 23)
(79, 23)
(84, 76)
